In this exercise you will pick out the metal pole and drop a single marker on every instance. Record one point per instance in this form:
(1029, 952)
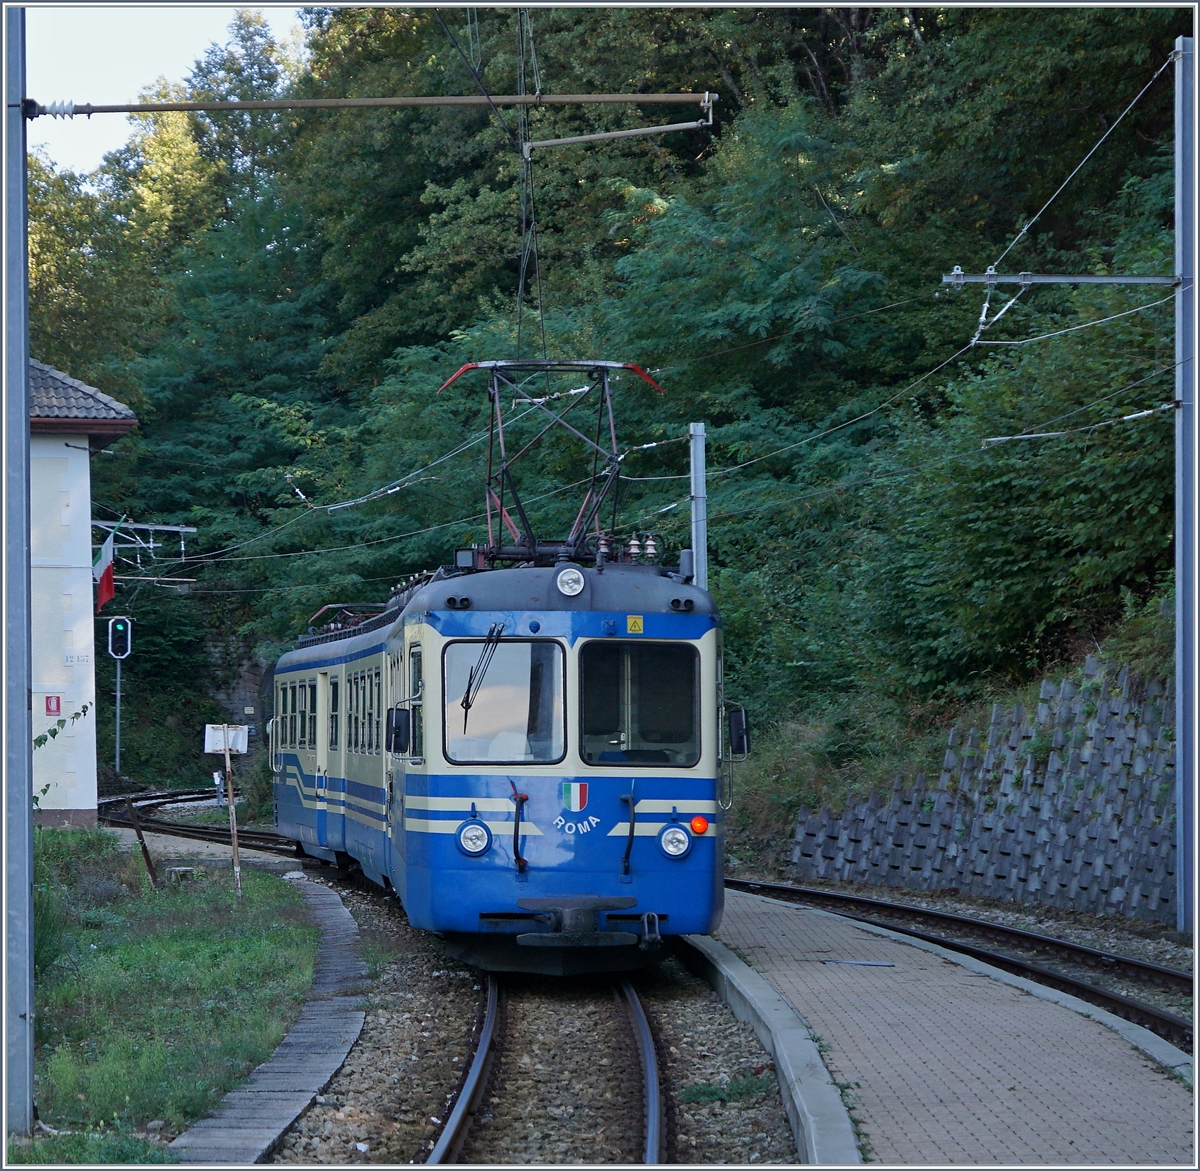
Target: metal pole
(699, 506)
(86, 109)
(237, 865)
(117, 753)
(1185, 482)
(15, 633)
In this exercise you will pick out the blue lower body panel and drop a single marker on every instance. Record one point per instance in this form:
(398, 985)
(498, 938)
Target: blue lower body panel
(572, 843)
(573, 838)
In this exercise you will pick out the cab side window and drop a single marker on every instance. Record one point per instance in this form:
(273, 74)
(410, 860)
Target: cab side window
(333, 711)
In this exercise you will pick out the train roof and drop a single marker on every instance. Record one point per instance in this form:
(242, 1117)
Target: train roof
(648, 589)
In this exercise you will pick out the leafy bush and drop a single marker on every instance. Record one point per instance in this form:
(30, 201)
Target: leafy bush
(1145, 637)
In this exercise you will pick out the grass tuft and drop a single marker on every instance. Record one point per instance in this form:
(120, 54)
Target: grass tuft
(97, 1147)
(737, 1088)
(171, 997)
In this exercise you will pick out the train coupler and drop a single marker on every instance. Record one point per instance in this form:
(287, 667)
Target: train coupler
(650, 935)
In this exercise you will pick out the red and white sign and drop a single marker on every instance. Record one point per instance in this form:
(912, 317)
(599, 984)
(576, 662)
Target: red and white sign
(54, 705)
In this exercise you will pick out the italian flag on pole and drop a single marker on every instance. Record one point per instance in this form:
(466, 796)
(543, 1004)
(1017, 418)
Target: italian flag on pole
(102, 572)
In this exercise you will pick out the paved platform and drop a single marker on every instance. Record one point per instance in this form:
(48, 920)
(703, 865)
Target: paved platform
(949, 1066)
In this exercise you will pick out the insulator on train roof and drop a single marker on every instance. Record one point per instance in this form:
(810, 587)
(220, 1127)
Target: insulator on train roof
(635, 546)
(651, 548)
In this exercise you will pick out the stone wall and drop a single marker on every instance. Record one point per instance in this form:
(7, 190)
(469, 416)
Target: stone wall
(1071, 805)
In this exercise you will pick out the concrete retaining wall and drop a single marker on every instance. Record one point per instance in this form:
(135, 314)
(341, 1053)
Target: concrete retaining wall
(1071, 805)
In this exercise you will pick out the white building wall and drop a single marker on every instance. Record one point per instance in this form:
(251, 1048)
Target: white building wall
(63, 625)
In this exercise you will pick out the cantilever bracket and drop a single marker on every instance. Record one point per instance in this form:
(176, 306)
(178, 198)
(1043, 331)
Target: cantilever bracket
(957, 278)
(706, 103)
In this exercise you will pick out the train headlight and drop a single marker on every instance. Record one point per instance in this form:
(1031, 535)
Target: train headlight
(569, 582)
(675, 841)
(473, 838)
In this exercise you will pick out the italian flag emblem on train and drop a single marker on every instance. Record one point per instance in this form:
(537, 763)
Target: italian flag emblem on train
(574, 795)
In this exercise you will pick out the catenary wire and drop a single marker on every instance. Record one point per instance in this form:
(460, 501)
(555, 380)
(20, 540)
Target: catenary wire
(792, 333)
(207, 558)
(386, 540)
(995, 440)
(1020, 235)
(478, 80)
(1104, 398)
(888, 477)
(375, 494)
(849, 422)
(1075, 328)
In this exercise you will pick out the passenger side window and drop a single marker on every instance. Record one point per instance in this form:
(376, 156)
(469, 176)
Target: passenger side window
(378, 708)
(356, 745)
(416, 680)
(369, 718)
(312, 715)
(333, 712)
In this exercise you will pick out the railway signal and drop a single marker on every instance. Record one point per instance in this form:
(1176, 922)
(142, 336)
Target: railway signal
(120, 637)
(120, 646)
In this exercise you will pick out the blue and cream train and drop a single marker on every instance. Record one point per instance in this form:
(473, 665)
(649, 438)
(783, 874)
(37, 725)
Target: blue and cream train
(534, 759)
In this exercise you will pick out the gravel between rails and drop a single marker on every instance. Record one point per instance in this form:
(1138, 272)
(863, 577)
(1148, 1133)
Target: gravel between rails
(417, 1040)
(704, 1051)
(386, 1103)
(566, 1087)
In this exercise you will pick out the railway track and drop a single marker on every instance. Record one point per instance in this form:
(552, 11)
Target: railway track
(1024, 950)
(113, 811)
(900, 917)
(473, 1119)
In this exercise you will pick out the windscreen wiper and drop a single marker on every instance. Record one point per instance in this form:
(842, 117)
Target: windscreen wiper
(477, 672)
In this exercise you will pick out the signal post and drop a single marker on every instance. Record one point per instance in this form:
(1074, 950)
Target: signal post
(120, 645)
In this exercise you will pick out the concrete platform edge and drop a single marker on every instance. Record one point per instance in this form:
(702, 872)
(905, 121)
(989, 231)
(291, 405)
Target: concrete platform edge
(819, 1119)
(1173, 1059)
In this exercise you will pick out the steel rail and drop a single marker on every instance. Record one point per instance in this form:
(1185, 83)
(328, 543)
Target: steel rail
(168, 797)
(253, 840)
(1173, 978)
(1173, 1028)
(458, 1123)
(651, 1084)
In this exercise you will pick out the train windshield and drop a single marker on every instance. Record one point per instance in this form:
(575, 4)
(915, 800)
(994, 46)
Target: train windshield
(640, 704)
(513, 711)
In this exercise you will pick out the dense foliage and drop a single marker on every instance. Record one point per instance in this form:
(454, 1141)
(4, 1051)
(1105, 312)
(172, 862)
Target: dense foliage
(282, 295)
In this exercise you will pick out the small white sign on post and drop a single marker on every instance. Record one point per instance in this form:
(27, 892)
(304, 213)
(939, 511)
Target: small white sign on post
(228, 739)
(214, 738)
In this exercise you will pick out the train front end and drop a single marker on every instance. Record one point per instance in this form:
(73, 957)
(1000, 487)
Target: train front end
(557, 803)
